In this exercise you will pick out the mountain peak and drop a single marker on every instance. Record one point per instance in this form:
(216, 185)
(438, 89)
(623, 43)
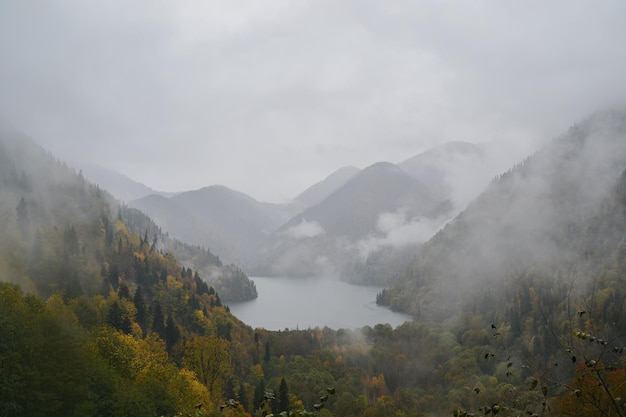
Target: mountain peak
(316, 193)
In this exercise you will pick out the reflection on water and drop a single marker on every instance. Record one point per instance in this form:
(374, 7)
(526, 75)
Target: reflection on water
(290, 303)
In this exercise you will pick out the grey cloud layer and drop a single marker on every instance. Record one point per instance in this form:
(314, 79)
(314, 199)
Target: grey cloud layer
(270, 97)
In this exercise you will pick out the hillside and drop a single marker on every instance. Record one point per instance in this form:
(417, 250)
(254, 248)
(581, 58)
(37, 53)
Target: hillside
(461, 170)
(537, 218)
(119, 185)
(437, 165)
(353, 209)
(228, 279)
(319, 191)
(227, 221)
(56, 203)
(101, 321)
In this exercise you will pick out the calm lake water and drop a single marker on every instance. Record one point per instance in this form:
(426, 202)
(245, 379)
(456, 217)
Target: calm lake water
(290, 303)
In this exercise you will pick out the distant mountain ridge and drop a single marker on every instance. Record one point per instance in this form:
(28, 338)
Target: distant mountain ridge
(227, 221)
(352, 210)
(433, 165)
(420, 193)
(324, 239)
(51, 194)
(119, 185)
(319, 191)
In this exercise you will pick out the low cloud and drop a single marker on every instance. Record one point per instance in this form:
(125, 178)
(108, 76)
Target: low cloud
(305, 230)
(395, 229)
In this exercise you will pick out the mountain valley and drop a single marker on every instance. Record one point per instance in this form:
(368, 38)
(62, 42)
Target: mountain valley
(517, 298)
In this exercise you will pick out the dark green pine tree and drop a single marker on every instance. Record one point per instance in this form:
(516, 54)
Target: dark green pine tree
(259, 395)
(123, 291)
(158, 320)
(140, 306)
(274, 405)
(108, 229)
(267, 355)
(243, 398)
(70, 240)
(144, 240)
(22, 215)
(172, 333)
(105, 288)
(118, 318)
(114, 277)
(72, 290)
(229, 389)
(283, 396)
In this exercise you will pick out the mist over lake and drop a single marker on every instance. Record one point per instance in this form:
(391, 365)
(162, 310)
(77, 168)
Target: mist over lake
(290, 303)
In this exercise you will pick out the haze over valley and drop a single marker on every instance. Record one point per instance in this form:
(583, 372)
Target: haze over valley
(313, 208)
(334, 226)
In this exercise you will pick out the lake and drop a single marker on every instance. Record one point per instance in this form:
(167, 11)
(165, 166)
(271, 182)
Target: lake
(290, 303)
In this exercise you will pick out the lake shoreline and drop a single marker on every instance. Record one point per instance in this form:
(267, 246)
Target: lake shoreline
(285, 303)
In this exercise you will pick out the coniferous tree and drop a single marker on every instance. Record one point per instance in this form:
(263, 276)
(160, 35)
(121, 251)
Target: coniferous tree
(229, 389)
(105, 287)
(283, 396)
(243, 397)
(108, 230)
(73, 289)
(144, 240)
(22, 215)
(259, 395)
(140, 306)
(267, 355)
(123, 291)
(70, 239)
(119, 319)
(158, 320)
(274, 404)
(218, 302)
(114, 277)
(172, 333)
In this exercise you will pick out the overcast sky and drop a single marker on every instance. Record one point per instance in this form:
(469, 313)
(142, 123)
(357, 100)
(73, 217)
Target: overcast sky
(268, 97)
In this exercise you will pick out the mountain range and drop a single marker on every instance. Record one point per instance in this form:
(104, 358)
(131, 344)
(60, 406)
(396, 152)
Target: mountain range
(345, 225)
(323, 239)
(119, 185)
(363, 225)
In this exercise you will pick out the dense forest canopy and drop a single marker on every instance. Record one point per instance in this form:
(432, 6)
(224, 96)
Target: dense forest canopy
(519, 306)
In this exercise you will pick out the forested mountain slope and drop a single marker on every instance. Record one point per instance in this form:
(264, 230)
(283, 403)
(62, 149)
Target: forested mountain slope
(111, 323)
(228, 279)
(538, 218)
(231, 223)
(43, 201)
